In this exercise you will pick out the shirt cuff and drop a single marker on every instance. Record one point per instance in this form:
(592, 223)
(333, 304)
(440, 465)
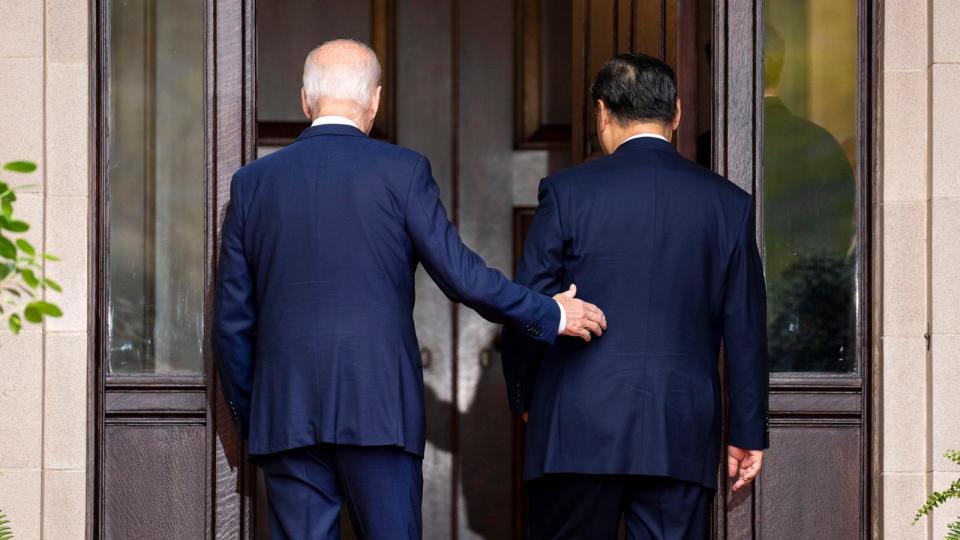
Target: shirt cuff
(563, 318)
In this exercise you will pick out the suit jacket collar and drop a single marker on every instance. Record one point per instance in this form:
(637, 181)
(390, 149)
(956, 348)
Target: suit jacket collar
(330, 129)
(647, 143)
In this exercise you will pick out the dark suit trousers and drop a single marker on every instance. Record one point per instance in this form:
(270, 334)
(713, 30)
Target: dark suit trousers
(382, 487)
(589, 506)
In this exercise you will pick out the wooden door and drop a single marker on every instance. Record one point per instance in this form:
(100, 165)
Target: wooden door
(164, 454)
(818, 480)
(172, 108)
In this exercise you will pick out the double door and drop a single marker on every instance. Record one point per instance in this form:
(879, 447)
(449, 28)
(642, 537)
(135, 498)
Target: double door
(495, 94)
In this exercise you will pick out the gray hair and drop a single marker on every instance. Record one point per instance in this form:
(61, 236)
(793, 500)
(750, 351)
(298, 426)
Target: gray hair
(334, 71)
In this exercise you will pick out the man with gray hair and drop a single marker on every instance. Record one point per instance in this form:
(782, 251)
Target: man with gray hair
(313, 324)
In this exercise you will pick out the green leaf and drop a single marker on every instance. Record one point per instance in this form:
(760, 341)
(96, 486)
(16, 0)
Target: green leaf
(6, 533)
(21, 166)
(14, 225)
(51, 257)
(15, 323)
(6, 192)
(47, 282)
(46, 308)
(26, 247)
(5, 270)
(33, 315)
(7, 249)
(30, 278)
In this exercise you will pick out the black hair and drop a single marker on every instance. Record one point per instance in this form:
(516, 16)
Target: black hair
(637, 88)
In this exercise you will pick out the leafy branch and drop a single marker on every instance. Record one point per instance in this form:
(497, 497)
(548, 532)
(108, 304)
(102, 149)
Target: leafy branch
(938, 498)
(22, 282)
(6, 533)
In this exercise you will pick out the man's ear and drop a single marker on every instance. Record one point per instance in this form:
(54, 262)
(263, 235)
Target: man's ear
(304, 105)
(603, 115)
(676, 119)
(375, 103)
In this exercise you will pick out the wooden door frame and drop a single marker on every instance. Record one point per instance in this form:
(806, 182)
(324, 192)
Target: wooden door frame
(196, 399)
(230, 96)
(737, 151)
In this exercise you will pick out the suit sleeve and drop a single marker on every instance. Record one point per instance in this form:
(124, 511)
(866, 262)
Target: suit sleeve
(234, 315)
(745, 341)
(541, 269)
(462, 275)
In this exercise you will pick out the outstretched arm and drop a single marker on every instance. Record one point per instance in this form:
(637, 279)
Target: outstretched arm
(234, 316)
(464, 277)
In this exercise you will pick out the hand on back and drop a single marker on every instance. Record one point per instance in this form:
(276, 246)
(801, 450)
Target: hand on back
(583, 318)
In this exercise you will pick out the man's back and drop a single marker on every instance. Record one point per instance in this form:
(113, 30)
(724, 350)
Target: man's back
(314, 315)
(324, 237)
(664, 246)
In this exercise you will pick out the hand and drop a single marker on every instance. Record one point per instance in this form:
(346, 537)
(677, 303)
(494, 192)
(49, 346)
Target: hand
(526, 415)
(582, 317)
(745, 462)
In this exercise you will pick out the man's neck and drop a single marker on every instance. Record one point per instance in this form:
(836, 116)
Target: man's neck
(644, 129)
(333, 119)
(344, 109)
(355, 118)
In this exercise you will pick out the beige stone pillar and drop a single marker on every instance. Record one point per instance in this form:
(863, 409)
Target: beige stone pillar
(921, 260)
(945, 253)
(905, 149)
(44, 117)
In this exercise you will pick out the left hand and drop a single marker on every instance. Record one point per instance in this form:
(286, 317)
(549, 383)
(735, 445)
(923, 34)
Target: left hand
(745, 462)
(526, 415)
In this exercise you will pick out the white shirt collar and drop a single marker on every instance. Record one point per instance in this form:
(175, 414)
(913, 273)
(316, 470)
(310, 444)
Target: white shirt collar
(639, 135)
(338, 120)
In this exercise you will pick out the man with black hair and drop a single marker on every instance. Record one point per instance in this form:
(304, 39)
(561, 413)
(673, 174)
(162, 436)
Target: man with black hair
(630, 426)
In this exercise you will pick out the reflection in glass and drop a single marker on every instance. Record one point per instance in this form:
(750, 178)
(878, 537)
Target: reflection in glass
(156, 175)
(809, 188)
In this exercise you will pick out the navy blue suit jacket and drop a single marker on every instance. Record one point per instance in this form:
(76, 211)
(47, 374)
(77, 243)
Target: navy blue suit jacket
(313, 331)
(667, 250)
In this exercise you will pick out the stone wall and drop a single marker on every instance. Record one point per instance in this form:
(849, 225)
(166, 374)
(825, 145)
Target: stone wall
(920, 228)
(44, 117)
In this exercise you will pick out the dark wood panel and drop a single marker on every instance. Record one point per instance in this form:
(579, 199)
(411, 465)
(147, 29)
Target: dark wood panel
(154, 483)
(689, 86)
(647, 25)
(157, 401)
(738, 125)
(230, 75)
(533, 70)
(811, 482)
(822, 403)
